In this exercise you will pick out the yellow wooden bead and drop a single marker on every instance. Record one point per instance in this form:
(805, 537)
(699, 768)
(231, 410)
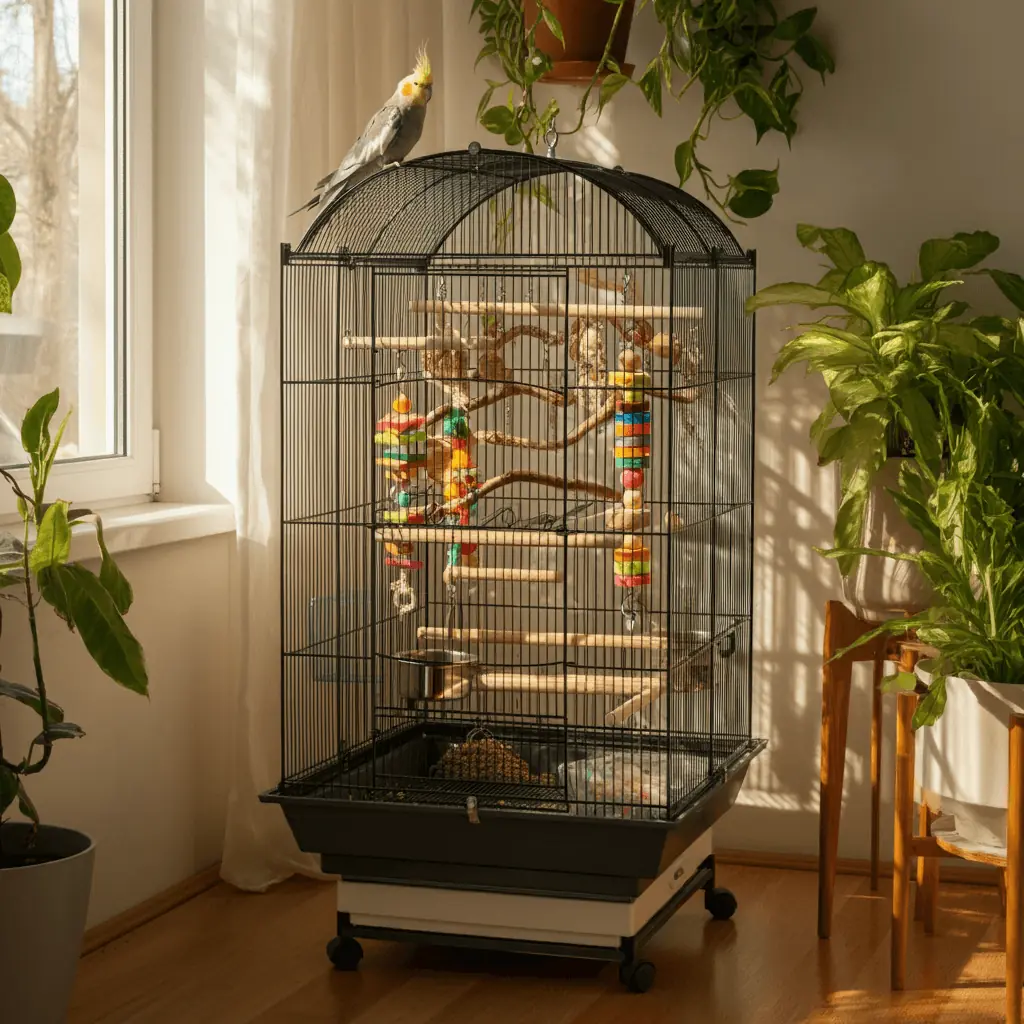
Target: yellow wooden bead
(630, 360)
(633, 499)
(401, 404)
(460, 459)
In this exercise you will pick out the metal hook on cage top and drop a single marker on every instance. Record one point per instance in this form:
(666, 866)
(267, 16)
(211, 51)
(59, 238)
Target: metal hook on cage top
(551, 140)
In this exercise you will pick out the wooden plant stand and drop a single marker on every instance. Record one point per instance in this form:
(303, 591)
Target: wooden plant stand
(934, 842)
(842, 628)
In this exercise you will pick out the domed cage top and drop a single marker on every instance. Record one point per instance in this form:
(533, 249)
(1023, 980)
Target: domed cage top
(517, 501)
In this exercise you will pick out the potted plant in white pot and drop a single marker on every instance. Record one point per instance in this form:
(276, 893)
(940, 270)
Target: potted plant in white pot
(45, 870)
(969, 512)
(877, 346)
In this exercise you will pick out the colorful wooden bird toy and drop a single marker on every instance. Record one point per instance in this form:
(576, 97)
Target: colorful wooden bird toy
(460, 480)
(402, 441)
(632, 457)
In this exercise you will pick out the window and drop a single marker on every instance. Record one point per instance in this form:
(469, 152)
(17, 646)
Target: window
(76, 143)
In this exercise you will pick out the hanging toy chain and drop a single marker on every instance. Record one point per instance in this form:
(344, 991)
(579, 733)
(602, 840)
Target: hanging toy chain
(401, 439)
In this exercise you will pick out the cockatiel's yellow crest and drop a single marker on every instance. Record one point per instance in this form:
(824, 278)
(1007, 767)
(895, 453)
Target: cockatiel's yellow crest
(422, 70)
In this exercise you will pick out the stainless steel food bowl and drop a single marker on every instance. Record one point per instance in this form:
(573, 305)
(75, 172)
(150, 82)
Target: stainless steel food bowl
(433, 674)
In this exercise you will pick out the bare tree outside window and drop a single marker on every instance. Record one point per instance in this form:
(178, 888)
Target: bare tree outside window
(56, 147)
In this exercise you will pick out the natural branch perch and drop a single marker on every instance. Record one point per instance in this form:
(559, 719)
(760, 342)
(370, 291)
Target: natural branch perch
(497, 437)
(494, 395)
(514, 476)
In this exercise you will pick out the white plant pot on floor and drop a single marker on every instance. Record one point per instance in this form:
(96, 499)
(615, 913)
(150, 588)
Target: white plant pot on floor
(883, 588)
(43, 907)
(963, 760)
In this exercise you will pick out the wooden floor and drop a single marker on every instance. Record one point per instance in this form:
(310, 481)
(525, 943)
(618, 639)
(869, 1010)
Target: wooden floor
(229, 958)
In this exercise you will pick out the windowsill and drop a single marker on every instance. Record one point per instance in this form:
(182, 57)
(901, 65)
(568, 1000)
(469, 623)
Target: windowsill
(136, 527)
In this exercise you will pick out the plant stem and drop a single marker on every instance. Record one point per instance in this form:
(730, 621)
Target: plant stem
(991, 603)
(44, 706)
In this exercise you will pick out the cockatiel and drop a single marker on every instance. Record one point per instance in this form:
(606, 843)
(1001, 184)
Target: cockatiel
(387, 139)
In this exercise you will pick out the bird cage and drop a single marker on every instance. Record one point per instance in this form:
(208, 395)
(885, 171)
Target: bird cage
(517, 504)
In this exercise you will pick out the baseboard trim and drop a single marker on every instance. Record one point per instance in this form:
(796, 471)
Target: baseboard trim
(952, 871)
(148, 910)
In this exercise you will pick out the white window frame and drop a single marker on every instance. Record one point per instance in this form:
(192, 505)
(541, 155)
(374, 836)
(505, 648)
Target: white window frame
(104, 481)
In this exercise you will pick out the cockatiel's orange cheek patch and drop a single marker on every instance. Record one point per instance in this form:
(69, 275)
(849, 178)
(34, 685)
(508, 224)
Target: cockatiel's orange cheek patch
(407, 89)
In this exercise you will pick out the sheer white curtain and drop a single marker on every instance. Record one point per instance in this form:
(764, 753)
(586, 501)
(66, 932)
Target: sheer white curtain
(292, 82)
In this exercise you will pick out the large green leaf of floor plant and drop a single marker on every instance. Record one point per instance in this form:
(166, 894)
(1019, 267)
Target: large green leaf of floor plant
(81, 599)
(30, 698)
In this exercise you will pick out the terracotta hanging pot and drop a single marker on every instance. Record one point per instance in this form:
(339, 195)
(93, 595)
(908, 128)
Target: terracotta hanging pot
(586, 25)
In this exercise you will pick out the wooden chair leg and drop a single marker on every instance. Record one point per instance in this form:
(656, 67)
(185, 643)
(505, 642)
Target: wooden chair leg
(835, 715)
(1002, 893)
(1014, 865)
(904, 813)
(876, 765)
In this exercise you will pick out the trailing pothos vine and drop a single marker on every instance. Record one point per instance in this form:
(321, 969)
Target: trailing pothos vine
(742, 55)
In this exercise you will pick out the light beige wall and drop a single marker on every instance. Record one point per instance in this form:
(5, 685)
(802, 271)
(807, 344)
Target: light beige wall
(148, 781)
(918, 134)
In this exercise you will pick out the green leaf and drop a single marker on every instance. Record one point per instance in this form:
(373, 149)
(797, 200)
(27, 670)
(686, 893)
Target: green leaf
(684, 161)
(756, 102)
(761, 180)
(813, 53)
(10, 260)
(932, 704)
(796, 25)
(30, 698)
(751, 203)
(909, 298)
(9, 786)
(5, 295)
(53, 539)
(902, 682)
(514, 137)
(25, 804)
(840, 245)
(791, 293)
(650, 86)
(80, 597)
(961, 251)
(8, 205)
(609, 87)
(61, 731)
(823, 420)
(498, 120)
(114, 581)
(870, 290)
(553, 24)
(35, 428)
(822, 348)
(1011, 285)
(922, 423)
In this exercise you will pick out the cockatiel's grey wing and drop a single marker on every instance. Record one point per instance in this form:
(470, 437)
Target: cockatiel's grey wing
(377, 136)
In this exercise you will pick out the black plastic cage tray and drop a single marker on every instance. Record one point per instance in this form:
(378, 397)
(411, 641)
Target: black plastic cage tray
(490, 839)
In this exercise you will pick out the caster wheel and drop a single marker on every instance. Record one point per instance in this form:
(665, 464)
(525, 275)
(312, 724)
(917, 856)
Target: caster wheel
(345, 953)
(719, 903)
(637, 976)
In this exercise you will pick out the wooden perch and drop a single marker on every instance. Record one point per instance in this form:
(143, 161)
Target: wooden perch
(625, 641)
(497, 538)
(529, 476)
(419, 343)
(618, 716)
(467, 574)
(498, 437)
(619, 684)
(598, 310)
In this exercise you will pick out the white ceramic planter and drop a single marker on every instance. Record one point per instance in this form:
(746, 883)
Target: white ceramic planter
(963, 760)
(43, 909)
(883, 588)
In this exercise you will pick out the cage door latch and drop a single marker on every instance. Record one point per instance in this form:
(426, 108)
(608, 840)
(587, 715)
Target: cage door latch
(471, 810)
